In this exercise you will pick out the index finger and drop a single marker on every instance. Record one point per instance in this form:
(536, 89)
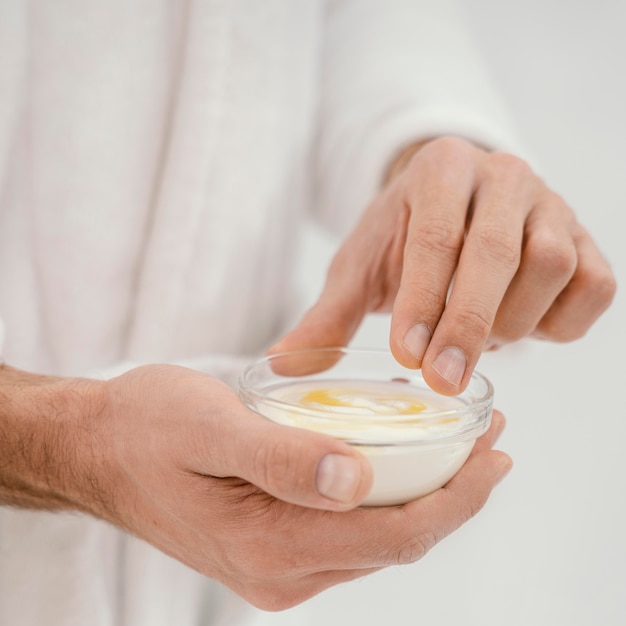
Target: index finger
(441, 187)
(488, 263)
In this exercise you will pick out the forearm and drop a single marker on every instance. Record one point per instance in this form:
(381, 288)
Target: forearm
(47, 456)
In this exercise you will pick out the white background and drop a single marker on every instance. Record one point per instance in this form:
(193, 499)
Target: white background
(549, 549)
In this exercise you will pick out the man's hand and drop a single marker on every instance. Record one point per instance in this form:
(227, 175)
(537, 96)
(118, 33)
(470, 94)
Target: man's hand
(468, 250)
(174, 457)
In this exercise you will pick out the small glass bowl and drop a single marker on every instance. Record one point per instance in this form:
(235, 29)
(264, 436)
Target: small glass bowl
(414, 438)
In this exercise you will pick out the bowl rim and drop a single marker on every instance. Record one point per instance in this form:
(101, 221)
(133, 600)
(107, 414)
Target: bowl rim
(477, 410)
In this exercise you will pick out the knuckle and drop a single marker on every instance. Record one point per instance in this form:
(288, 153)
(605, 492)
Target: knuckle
(504, 164)
(500, 245)
(275, 464)
(606, 288)
(599, 288)
(439, 235)
(448, 145)
(600, 285)
(512, 330)
(414, 548)
(471, 507)
(474, 323)
(554, 255)
(552, 328)
(431, 300)
(441, 160)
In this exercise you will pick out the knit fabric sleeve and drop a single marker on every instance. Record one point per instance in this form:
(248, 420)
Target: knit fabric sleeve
(393, 73)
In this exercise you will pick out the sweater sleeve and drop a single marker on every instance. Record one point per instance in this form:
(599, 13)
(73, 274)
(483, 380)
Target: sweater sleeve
(224, 367)
(393, 73)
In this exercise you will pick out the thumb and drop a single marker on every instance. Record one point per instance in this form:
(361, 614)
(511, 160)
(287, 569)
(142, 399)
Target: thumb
(334, 318)
(296, 465)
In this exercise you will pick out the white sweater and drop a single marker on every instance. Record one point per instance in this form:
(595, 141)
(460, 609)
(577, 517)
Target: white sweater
(156, 159)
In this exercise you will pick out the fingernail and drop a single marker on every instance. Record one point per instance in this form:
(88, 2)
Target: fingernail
(417, 339)
(338, 477)
(451, 364)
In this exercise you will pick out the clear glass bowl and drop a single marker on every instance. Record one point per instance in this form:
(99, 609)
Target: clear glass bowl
(414, 438)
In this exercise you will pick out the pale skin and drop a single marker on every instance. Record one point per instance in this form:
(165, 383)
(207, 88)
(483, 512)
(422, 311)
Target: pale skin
(468, 250)
(172, 456)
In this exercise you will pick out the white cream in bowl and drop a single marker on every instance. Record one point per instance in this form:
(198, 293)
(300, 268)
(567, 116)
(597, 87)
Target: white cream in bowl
(415, 439)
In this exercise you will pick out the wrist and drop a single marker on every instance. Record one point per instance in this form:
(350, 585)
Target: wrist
(48, 434)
